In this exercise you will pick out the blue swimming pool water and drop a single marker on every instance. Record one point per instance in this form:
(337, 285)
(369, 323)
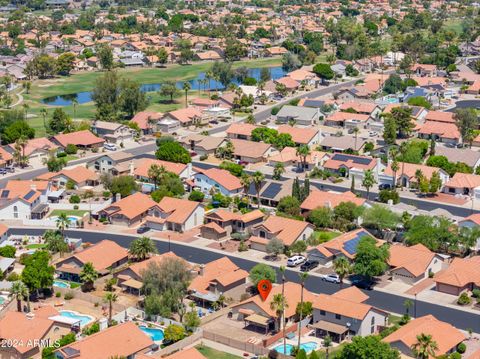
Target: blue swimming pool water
(71, 219)
(308, 347)
(154, 333)
(60, 284)
(276, 72)
(84, 319)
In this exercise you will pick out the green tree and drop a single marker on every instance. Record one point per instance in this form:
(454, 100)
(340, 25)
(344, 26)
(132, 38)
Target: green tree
(54, 163)
(110, 298)
(106, 95)
(132, 99)
(368, 181)
(290, 62)
(466, 120)
(156, 174)
(303, 151)
(173, 333)
(321, 217)
(262, 271)
(142, 247)
(8, 251)
(172, 152)
(169, 89)
(289, 205)
(16, 131)
(380, 218)
(62, 223)
(257, 180)
(403, 120)
(88, 276)
(124, 185)
(38, 273)
(278, 304)
(435, 183)
(275, 247)
(186, 87)
(324, 71)
(342, 268)
(425, 347)
(55, 242)
(60, 122)
(278, 171)
(65, 63)
(367, 347)
(191, 319)
(370, 260)
(389, 129)
(303, 277)
(105, 57)
(20, 292)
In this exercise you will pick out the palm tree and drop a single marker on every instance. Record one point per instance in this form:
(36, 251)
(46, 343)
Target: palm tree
(62, 223)
(186, 87)
(142, 247)
(282, 270)
(25, 109)
(303, 277)
(44, 113)
(74, 104)
(19, 153)
(303, 151)
(257, 180)
(425, 347)
(110, 298)
(88, 276)
(368, 181)
(403, 150)
(342, 267)
(356, 130)
(209, 77)
(20, 291)
(246, 181)
(278, 304)
(156, 174)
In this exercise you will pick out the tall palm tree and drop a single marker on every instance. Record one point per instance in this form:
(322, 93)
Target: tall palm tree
(342, 267)
(246, 181)
(278, 304)
(156, 174)
(88, 276)
(425, 346)
(356, 130)
(110, 298)
(303, 277)
(20, 291)
(282, 271)
(19, 153)
(62, 223)
(257, 180)
(186, 87)
(25, 109)
(74, 104)
(142, 247)
(44, 113)
(368, 181)
(209, 77)
(303, 151)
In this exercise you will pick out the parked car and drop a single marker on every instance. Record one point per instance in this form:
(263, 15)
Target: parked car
(309, 265)
(295, 261)
(361, 283)
(332, 278)
(143, 229)
(10, 169)
(384, 186)
(3, 171)
(110, 146)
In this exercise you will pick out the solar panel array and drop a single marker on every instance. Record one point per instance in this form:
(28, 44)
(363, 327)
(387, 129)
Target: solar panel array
(29, 194)
(351, 245)
(272, 190)
(5, 193)
(344, 158)
(313, 103)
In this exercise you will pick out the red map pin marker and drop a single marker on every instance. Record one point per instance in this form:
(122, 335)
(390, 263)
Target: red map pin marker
(264, 288)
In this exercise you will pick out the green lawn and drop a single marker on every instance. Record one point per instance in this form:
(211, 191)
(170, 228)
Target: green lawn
(453, 25)
(214, 354)
(36, 246)
(332, 352)
(68, 212)
(394, 319)
(325, 236)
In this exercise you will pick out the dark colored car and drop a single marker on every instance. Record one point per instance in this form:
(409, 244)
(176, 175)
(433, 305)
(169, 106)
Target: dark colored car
(362, 283)
(3, 171)
(142, 229)
(309, 265)
(384, 186)
(10, 169)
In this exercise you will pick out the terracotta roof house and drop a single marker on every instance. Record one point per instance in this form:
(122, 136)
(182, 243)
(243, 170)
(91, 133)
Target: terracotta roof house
(461, 275)
(36, 147)
(345, 313)
(288, 157)
(113, 132)
(221, 223)
(115, 163)
(202, 145)
(440, 131)
(342, 143)
(413, 264)
(444, 334)
(301, 136)
(185, 116)
(143, 165)
(130, 278)
(257, 313)
(329, 199)
(27, 330)
(25, 199)
(286, 230)
(251, 152)
(406, 174)
(190, 353)
(440, 116)
(347, 119)
(146, 120)
(175, 214)
(366, 108)
(241, 131)
(344, 245)
(463, 184)
(80, 176)
(215, 278)
(424, 69)
(350, 165)
(6, 158)
(82, 139)
(289, 83)
(104, 256)
(130, 210)
(218, 180)
(122, 340)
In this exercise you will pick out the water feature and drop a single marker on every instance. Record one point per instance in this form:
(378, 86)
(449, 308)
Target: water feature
(60, 284)
(154, 333)
(83, 318)
(86, 96)
(308, 347)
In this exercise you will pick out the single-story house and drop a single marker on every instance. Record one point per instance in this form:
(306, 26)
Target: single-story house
(463, 274)
(304, 116)
(82, 139)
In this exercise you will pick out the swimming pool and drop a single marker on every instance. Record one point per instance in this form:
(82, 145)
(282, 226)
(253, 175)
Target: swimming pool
(154, 333)
(71, 219)
(84, 319)
(60, 284)
(308, 347)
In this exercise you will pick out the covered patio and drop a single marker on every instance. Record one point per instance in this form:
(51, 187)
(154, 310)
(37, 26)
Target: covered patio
(258, 321)
(337, 332)
(131, 286)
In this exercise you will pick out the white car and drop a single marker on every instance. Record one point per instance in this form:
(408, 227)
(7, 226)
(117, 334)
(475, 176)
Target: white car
(110, 146)
(332, 278)
(295, 261)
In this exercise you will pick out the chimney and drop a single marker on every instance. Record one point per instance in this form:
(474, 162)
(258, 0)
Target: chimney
(118, 197)
(132, 168)
(33, 187)
(30, 315)
(201, 270)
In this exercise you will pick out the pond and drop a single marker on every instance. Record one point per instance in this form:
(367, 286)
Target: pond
(84, 97)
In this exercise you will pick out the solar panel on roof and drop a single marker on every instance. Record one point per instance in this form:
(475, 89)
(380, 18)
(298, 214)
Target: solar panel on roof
(5, 193)
(272, 190)
(351, 245)
(29, 194)
(344, 158)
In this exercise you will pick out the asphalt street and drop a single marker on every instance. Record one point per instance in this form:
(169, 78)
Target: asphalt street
(382, 300)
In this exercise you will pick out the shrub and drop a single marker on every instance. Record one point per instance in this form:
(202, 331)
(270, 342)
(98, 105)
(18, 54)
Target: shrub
(455, 355)
(13, 277)
(275, 110)
(68, 296)
(61, 154)
(75, 207)
(58, 294)
(106, 194)
(476, 293)
(386, 195)
(405, 319)
(464, 299)
(92, 329)
(461, 348)
(196, 196)
(74, 199)
(70, 184)
(242, 247)
(203, 157)
(71, 149)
